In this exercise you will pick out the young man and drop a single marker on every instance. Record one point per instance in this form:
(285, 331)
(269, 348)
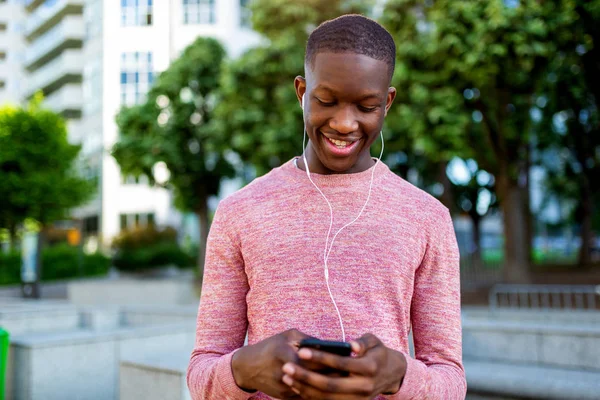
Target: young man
(344, 251)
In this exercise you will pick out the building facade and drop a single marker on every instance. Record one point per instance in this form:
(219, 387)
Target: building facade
(127, 43)
(12, 50)
(89, 58)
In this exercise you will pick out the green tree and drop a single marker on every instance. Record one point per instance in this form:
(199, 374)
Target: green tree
(568, 112)
(469, 72)
(38, 179)
(174, 126)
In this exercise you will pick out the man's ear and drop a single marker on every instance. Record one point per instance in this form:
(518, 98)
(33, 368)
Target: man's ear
(391, 95)
(300, 86)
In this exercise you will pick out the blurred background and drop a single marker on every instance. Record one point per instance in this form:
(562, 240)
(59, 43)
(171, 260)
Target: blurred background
(122, 125)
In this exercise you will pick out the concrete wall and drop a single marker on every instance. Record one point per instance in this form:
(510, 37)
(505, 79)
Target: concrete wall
(127, 292)
(161, 377)
(83, 365)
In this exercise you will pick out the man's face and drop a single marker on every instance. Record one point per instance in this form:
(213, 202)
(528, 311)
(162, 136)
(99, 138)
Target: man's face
(346, 100)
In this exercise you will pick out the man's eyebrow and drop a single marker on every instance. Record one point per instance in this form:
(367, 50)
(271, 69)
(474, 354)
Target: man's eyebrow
(366, 96)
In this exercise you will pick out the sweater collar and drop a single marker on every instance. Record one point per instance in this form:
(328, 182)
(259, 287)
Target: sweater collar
(340, 180)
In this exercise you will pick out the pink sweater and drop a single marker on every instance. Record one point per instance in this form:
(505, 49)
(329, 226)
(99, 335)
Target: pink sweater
(397, 265)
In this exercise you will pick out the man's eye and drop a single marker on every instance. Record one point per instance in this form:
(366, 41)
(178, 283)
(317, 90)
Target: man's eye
(367, 109)
(325, 103)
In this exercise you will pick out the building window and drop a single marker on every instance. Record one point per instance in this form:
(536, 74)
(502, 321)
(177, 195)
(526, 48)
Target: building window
(134, 180)
(136, 77)
(245, 14)
(90, 225)
(130, 221)
(136, 12)
(198, 11)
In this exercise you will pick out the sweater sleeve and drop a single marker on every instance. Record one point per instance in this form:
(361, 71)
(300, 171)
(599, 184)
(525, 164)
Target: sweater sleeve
(436, 372)
(222, 321)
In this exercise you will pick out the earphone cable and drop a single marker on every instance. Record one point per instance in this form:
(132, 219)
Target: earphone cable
(326, 252)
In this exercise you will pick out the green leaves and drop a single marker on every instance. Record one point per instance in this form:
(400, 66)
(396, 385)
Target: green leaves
(37, 175)
(176, 126)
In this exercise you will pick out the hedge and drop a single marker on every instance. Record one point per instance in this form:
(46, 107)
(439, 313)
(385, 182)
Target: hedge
(59, 262)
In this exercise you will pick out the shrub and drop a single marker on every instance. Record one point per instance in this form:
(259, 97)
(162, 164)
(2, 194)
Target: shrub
(10, 268)
(58, 262)
(143, 237)
(147, 248)
(152, 257)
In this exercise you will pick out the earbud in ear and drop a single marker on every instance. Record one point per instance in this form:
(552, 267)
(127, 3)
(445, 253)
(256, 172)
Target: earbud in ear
(302, 102)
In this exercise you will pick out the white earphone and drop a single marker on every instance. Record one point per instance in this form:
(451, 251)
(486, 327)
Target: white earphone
(326, 252)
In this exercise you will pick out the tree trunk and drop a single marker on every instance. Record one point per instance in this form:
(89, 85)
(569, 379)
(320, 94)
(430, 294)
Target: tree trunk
(529, 227)
(476, 232)
(447, 197)
(202, 214)
(586, 223)
(516, 259)
(12, 232)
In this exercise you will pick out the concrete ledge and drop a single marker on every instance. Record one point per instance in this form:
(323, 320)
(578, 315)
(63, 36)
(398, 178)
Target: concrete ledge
(530, 381)
(142, 315)
(65, 365)
(22, 317)
(529, 315)
(544, 344)
(173, 291)
(157, 377)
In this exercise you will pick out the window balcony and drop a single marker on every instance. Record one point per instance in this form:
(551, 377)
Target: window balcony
(67, 68)
(68, 34)
(67, 100)
(46, 17)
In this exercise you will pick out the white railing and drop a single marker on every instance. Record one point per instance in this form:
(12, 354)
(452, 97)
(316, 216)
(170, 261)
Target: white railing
(44, 13)
(71, 27)
(545, 297)
(69, 97)
(69, 62)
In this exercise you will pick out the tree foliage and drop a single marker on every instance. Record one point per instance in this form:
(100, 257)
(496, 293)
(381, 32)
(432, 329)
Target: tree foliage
(175, 126)
(567, 112)
(468, 74)
(38, 178)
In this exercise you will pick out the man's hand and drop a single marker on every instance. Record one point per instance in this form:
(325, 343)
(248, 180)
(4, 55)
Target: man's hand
(258, 367)
(376, 369)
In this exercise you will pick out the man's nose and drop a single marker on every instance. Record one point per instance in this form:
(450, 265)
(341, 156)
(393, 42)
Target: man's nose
(344, 121)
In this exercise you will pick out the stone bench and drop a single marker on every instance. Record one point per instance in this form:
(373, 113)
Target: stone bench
(22, 316)
(174, 291)
(154, 377)
(575, 346)
(146, 315)
(83, 364)
(531, 381)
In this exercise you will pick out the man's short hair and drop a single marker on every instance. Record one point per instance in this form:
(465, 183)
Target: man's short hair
(352, 33)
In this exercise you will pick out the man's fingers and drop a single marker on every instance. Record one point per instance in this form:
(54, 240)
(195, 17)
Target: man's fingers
(313, 385)
(363, 344)
(340, 363)
(294, 337)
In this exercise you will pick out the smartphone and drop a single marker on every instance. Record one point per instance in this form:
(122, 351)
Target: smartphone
(340, 348)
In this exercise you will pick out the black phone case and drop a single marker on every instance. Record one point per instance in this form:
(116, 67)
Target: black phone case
(340, 348)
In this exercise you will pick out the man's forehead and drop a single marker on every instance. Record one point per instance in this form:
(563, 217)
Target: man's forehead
(347, 68)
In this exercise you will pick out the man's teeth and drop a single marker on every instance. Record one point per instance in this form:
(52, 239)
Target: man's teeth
(339, 143)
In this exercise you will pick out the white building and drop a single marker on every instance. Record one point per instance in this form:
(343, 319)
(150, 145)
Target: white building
(127, 43)
(12, 48)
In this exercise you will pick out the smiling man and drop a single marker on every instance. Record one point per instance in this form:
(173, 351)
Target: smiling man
(332, 245)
